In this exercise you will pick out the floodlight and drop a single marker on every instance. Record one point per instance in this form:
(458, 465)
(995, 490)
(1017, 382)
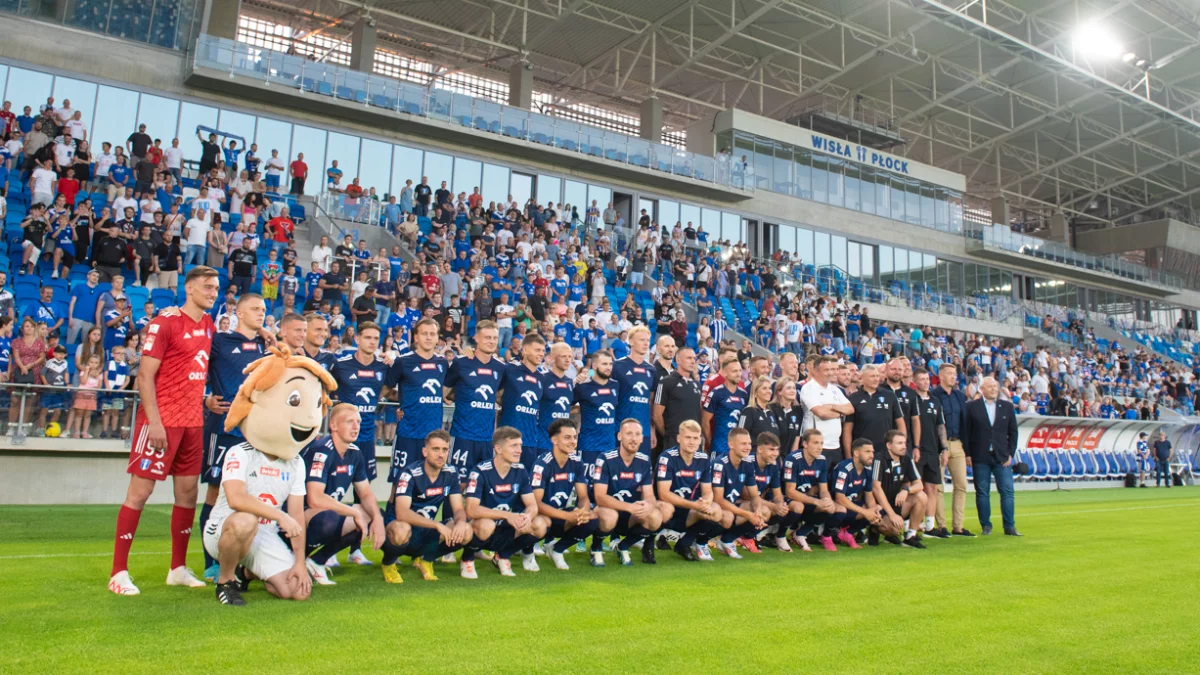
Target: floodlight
(1094, 40)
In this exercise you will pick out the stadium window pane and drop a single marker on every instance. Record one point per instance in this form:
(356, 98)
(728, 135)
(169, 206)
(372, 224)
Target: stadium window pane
(764, 164)
(821, 249)
(837, 252)
(113, 123)
(439, 168)
(912, 202)
(311, 142)
(866, 190)
(467, 174)
(928, 219)
(375, 166)
(238, 124)
(941, 209)
(804, 245)
(784, 180)
(690, 213)
(836, 169)
(406, 165)
(650, 206)
(191, 115)
(930, 264)
(731, 226)
(956, 212)
(820, 178)
(521, 188)
(803, 171)
(668, 212)
(495, 184)
(868, 264)
(854, 259)
(602, 195)
(916, 268)
(28, 88)
(887, 268)
(896, 192)
(272, 134)
(852, 200)
(883, 195)
(709, 218)
(549, 189)
(575, 194)
(160, 115)
(342, 148)
(82, 96)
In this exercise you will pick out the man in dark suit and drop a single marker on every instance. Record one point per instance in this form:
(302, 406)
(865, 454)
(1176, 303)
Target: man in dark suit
(990, 441)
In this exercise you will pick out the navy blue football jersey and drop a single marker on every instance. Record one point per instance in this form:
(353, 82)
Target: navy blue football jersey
(854, 484)
(360, 386)
(637, 382)
(597, 415)
(420, 382)
(338, 473)
(686, 479)
(557, 482)
(427, 492)
(766, 478)
(521, 402)
(732, 478)
(725, 407)
(806, 477)
(557, 398)
(475, 386)
(624, 481)
(229, 356)
(502, 493)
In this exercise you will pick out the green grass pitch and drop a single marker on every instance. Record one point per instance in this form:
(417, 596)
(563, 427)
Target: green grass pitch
(1103, 581)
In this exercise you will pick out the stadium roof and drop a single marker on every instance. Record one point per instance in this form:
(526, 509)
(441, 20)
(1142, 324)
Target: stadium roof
(1010, 93)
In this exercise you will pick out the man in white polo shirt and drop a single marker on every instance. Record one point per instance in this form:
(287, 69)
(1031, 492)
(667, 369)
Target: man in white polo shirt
(824, 405)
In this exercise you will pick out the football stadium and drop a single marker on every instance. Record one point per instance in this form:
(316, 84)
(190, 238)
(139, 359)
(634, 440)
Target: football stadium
(599, 336)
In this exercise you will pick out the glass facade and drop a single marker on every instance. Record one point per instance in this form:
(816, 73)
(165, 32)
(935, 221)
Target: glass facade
(162, 23)
(800, 172)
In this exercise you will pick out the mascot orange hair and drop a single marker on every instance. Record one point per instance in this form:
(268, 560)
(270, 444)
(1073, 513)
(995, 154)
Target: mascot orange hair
(280, 406)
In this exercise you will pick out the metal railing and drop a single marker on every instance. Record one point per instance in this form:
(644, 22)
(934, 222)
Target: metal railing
(326, 79)
(356, 210)
(31, 408)
(160, 23)
(1003, 238)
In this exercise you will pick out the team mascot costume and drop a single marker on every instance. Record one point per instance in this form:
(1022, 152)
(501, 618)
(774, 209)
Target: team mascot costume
(256, 529)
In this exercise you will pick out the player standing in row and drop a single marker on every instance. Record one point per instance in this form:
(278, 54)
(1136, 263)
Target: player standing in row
(684, 482)
(314, 341)
(558, 390)
(559, 481)
(637, 379)
(597, 399)
(520, 403)
(168, 437)
(231, 353)
(724, 407)
(335, 466)
(473, 383)
(420, 377)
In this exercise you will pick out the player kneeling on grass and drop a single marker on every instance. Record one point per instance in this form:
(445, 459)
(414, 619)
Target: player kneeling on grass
(765, 464)
(806, 486)
(896, 486)
(684, 483)
(279, 409)
(335, 466)
(501, 507)
(855, 506)
(559, 484)
(621, 481)
(422, 489)
(736, 492)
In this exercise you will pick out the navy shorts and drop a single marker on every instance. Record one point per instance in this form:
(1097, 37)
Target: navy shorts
(366, 445)
(54, 401)
(215, 444)
(467, 454)
(529, 455)
(404, 452)
(678, 521)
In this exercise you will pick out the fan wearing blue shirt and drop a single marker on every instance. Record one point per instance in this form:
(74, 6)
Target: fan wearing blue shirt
(502, 508)
(419, 377)
(413, 527)
(334, 466)
(559, 482)
(474, 384)
(736, 492)
(622, 482)
(520, 404)
(684, 482)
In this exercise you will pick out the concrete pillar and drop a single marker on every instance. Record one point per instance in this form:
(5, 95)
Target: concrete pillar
(221, 18)
(652, 120)
(362, 46)
(1058, 228)
(520, 85)
(1000, 212)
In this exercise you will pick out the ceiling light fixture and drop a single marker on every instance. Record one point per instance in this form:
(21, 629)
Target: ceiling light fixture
(1095, 40)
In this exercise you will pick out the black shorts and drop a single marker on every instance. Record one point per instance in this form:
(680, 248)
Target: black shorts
(931, 472)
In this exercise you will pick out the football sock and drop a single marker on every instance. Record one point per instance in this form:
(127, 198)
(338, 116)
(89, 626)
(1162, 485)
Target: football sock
(181, 531)
(635, 532)
(391, 553)
(929, 522)
(812, 521)
(576, 534)
(597, 542)
(323, 531)
(322, 555)
(127, 523)
(204, 511)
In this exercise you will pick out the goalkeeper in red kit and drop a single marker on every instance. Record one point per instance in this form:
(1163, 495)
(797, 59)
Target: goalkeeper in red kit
(168, 431)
